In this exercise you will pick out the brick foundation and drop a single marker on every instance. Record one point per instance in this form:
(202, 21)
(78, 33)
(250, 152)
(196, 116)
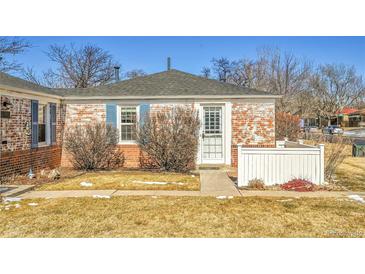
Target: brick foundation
(19, 162)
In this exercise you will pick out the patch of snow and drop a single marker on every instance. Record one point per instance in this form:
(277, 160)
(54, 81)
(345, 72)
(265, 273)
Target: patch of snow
(154, 197)
(86, 184)
(17, 206)
(32, 204)
(12, 199)
(356, 198)
(193, 175)
(222, 197)
(286, 200)
(101, 196)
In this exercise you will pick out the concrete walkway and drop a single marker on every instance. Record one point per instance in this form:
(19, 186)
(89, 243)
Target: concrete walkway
(212, 183)
(217, 183)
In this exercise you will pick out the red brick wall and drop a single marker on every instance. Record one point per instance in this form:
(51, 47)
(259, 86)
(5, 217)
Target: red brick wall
(253, 125)
(16, 155)
(19, 162)
(15, 131)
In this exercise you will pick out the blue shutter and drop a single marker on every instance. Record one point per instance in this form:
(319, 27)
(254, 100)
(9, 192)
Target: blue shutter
(34, 111)
(144, 110)
(53, 122)
(111, 115)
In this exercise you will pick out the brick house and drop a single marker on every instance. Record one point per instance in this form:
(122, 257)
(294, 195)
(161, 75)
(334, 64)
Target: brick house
(34, 118)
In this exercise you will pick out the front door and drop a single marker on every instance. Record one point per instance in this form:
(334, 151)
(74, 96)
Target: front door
(212, 135)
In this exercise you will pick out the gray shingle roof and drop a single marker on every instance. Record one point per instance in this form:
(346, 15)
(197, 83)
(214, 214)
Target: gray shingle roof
(8, 80)
(168, 83)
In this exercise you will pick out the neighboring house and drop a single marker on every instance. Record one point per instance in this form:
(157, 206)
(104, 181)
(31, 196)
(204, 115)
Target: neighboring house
(357, 118)
(34, 118)
(342, 117)
(347, 117)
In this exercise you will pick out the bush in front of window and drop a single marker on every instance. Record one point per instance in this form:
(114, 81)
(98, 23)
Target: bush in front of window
(93, 146)
(170, 138)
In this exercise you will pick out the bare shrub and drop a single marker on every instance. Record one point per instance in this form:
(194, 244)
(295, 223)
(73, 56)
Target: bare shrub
(336, 150)
(93, 146)
(256, 184)
(170, 138)
(335, 155)
(287, 126)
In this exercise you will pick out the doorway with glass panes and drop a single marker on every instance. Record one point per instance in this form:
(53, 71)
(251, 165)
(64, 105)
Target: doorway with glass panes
(212, 137)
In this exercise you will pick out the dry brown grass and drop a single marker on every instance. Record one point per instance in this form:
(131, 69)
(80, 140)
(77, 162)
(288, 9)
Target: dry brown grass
(185, 217)
(351, 172)
(123, 180)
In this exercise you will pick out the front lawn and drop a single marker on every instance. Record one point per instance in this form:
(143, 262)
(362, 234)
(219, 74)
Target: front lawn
(184, 217)
(127, 180)
(351, 173)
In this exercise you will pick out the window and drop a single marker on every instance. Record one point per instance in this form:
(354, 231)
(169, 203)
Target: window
(42, 122)
(43, 131)
(128, 123)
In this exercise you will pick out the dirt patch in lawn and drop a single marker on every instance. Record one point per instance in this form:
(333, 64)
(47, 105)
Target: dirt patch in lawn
(127, 180)
(184, 217)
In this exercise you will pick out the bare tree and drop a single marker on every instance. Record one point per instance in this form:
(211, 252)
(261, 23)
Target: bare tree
(222, 68)
(11, 47)
(206, 72)
(81, 67)
(46, 78)
(242, 73)
(135, 73)
(272, 71)
(286, 75)
(335, 87)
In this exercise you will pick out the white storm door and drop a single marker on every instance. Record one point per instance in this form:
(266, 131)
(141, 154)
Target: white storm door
(212, 138)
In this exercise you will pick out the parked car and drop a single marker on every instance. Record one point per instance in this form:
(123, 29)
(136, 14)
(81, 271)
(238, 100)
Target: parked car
(332, 130)
(311, 129)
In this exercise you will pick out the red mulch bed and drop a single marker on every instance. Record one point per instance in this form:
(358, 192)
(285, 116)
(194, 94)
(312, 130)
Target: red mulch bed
(299, 185)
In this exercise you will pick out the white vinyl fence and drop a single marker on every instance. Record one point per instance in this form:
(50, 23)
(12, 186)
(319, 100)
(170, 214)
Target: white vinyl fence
(281, 164)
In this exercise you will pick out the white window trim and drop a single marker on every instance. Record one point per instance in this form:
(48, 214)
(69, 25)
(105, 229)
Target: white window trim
(119, 126)
(48, 128)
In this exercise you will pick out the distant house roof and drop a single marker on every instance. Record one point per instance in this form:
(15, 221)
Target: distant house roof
(347, 111)
(171, 83)
(359, 112)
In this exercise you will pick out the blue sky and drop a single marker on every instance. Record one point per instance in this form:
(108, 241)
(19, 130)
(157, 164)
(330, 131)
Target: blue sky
(190, 54)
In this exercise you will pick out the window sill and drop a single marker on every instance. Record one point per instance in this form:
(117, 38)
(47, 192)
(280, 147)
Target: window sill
(43, 145)
(127, 143)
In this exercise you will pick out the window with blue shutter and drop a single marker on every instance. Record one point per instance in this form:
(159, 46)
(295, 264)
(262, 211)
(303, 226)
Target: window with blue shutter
(34, 112)
(111, 115)
(144, 110)
(53, 122)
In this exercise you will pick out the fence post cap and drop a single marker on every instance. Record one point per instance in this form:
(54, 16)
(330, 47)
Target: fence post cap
(239, 144)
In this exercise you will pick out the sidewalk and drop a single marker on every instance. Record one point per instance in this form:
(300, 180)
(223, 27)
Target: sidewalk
(212, 183)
